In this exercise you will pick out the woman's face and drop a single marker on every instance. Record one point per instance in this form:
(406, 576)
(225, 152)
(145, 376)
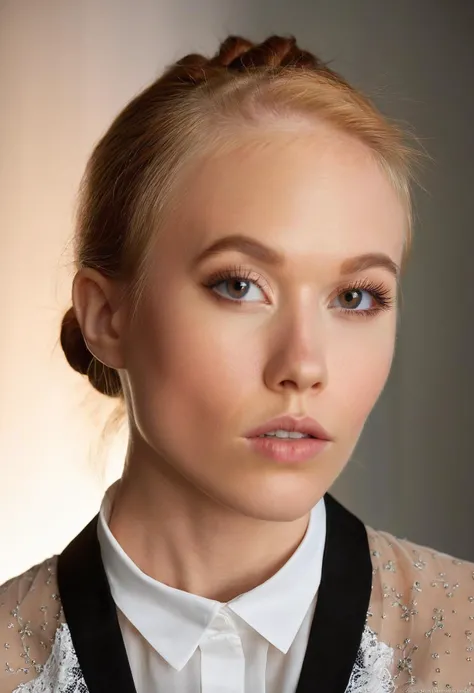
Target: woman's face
(212, 358)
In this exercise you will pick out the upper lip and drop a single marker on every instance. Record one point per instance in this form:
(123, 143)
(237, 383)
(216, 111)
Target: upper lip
(291, 423)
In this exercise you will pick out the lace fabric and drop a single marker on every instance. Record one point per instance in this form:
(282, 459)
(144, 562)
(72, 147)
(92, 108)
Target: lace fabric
(418, 634)
(30, 615)
(372, 668)
(61, 673)
(422, 606)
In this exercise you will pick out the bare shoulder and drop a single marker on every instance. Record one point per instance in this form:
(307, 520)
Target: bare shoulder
(30, 614)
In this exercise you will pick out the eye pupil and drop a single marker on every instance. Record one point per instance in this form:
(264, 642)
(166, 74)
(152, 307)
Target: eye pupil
(239, 286)
(353, 298)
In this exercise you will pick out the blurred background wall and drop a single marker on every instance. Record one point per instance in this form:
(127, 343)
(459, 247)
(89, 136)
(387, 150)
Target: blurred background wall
(66, 69)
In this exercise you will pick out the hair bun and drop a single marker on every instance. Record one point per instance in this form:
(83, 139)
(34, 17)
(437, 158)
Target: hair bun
(231, 49)
(237, 53)
(75, 349)
(104, 379)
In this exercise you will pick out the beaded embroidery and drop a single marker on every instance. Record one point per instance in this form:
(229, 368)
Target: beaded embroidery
(419, 633)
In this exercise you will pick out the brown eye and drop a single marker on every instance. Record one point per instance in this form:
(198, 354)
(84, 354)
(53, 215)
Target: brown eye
(351, 299)
(237, 288)
(363, 299)
(239, 285)
(356, 300)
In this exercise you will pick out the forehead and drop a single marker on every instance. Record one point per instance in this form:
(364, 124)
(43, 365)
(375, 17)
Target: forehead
(319, 193)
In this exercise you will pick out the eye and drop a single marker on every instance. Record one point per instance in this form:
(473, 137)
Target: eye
(354, 299)
(237, 286)
(363, 299)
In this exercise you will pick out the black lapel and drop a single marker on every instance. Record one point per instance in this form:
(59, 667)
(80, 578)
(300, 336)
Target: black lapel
(336, 630)
(92, 616)
(341, 606)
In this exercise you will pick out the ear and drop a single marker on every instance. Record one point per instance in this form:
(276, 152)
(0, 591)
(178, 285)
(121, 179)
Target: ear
(101, 315)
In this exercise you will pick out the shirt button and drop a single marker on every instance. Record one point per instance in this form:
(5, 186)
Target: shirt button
(221, 626)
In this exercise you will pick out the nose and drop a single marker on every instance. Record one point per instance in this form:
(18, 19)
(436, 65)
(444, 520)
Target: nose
(297, 358)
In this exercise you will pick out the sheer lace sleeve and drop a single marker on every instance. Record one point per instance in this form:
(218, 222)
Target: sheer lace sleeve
(30, 618)
(422, 606)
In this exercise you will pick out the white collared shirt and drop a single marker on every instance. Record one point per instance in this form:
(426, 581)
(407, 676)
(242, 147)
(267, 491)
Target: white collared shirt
(179, 642)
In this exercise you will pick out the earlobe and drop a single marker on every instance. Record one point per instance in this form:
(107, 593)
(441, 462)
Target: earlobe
(97, 310)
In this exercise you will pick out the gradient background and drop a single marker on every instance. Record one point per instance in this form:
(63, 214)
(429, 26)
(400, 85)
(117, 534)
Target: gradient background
(66, 69)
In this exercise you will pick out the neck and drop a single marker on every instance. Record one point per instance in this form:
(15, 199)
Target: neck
(178, 535)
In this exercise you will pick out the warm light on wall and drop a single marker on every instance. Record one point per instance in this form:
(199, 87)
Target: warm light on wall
(66, 70)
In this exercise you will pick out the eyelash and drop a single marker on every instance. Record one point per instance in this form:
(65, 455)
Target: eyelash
(378, 290)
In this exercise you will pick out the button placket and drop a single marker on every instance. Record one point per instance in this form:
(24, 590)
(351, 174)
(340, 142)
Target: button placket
(222, 657)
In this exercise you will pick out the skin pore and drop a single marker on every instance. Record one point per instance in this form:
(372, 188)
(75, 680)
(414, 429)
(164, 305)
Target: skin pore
(196, 508)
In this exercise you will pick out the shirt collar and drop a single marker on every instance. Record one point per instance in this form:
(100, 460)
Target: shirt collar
(276, 608)
(173, 621)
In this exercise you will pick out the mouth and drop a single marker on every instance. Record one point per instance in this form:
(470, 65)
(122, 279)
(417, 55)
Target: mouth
(288, 439)
(290, 428)
(287, 451)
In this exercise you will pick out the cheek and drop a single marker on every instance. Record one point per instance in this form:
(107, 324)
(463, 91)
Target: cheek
(358, 381)
(194, 366)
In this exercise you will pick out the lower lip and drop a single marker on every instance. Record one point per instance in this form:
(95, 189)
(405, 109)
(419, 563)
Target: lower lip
(288, 449)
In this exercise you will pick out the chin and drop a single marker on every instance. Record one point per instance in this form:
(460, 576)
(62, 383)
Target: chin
(280, 500)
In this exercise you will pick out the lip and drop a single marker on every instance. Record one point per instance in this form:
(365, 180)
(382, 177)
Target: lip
(290, 423)
(289, 450)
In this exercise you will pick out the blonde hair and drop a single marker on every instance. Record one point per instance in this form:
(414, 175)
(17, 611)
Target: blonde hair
(130, 182)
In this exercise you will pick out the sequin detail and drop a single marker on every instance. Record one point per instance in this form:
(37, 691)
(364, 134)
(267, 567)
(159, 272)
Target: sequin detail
(421, 635)
(430, 592)
(30, 614)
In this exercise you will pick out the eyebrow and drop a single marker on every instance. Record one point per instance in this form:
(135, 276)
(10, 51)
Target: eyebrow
(270, 256)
